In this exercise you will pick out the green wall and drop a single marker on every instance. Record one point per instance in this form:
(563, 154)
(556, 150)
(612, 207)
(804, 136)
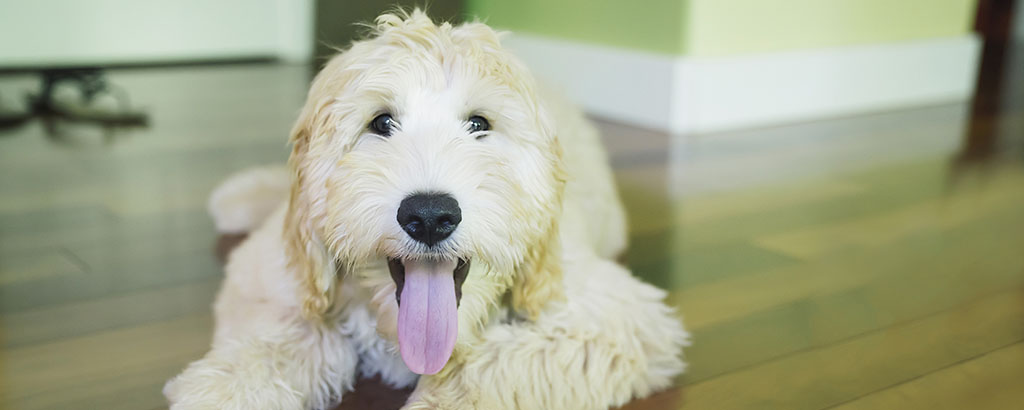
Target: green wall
(723, 27)
(650, 25)
(730, 27)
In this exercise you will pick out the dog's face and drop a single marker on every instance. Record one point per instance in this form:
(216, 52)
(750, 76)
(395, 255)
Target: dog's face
(426, 148)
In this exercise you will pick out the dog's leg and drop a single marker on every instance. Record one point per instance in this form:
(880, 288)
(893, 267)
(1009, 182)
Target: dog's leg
(245, 199)
(292, 364)
(265, 354)
(613, 340)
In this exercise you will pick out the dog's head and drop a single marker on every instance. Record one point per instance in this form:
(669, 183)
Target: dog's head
(426, 147)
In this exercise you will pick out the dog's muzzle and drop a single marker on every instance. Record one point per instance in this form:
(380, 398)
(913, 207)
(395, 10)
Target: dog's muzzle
(428, 286)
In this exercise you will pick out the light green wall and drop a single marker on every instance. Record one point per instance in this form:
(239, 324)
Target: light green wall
(650, 25)
(730, 27)
(724, 27)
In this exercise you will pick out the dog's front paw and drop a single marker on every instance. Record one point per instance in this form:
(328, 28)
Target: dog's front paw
(205, 386)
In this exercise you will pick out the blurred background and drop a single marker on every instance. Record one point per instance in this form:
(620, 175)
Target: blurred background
(832, 192)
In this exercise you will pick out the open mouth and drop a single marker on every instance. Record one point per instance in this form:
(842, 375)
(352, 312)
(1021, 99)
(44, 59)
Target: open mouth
(428, 292)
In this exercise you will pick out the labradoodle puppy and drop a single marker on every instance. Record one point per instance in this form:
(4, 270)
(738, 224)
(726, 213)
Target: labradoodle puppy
(442, 224)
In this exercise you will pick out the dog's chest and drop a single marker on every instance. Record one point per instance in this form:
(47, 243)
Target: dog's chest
(377, 355)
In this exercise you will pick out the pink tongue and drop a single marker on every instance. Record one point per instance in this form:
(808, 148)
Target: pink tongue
(427, 315)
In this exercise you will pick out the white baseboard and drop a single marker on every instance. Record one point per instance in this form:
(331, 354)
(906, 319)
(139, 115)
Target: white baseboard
(700, 95)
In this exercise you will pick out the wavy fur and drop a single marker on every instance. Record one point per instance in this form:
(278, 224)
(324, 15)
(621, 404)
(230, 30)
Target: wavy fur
(547, 320)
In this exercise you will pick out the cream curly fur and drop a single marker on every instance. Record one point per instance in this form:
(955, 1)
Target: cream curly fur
(547, 320)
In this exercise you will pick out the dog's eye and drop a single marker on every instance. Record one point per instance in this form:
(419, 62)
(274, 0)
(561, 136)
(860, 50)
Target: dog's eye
(383, 125)
(478, 124)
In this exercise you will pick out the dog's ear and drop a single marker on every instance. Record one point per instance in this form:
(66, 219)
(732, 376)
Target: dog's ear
(311, 165)
(307, 254)
(539, 278)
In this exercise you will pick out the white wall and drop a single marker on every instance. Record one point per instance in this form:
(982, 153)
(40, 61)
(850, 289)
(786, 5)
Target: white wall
(693, 95)
(65, 32)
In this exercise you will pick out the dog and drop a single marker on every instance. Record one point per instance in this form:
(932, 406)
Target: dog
(442, 223)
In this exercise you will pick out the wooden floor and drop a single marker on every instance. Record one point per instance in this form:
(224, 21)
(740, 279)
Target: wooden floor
(856, 263)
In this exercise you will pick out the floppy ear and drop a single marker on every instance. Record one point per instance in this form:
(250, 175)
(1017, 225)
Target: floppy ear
(307, 255)
(539, 278)
(311, 165)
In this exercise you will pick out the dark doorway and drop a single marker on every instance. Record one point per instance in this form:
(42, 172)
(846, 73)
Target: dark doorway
(994, 23)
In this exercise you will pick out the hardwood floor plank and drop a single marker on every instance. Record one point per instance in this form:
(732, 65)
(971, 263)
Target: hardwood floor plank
(78, 319)
(120, 230)
(674, 263)
(898, 186)
(749, 322)
(991, 381)
(50, 263)
(835, 374)
(728, 299)
(118, 274)
(92, 368)
(883, 229)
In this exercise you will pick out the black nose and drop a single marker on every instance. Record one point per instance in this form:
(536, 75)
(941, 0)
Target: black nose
(429, 218)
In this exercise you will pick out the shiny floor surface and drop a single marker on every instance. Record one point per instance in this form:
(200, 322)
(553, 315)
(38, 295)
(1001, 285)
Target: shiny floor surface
(856, 263)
